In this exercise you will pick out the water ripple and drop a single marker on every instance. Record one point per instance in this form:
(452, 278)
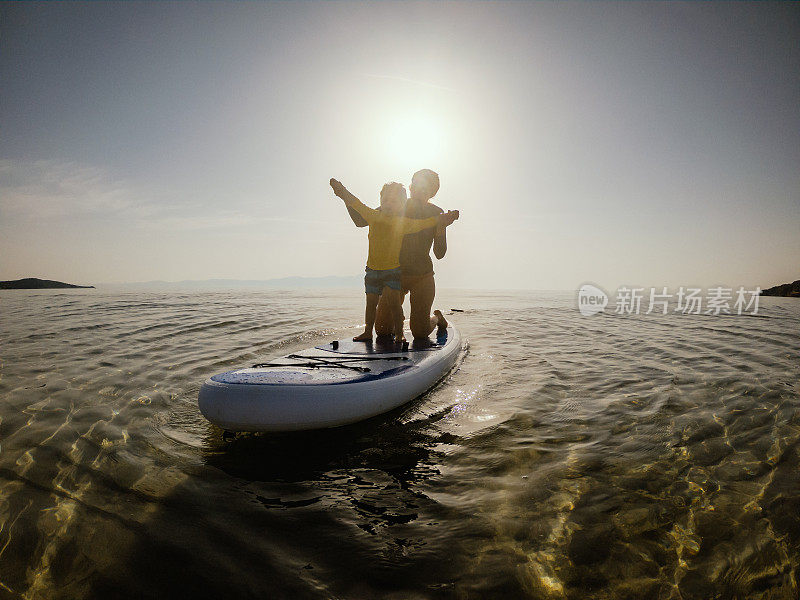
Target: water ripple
(566, 457)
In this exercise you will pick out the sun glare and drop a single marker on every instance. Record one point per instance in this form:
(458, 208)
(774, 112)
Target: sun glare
(415, 139)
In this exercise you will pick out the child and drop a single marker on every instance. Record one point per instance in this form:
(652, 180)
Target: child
(387, 227)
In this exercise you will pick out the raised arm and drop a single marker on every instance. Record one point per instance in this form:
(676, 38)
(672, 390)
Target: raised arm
(354, 205)
(357, 219)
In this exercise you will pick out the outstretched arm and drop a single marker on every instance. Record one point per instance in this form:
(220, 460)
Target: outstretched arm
(354, 205)
(443, 220)
(357, 219)
(448, 218)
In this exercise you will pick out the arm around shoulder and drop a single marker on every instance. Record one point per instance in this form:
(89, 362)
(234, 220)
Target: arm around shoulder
(415, 225)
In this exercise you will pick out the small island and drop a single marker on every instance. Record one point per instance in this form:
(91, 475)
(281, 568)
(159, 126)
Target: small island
(32, 283)
(787, 290)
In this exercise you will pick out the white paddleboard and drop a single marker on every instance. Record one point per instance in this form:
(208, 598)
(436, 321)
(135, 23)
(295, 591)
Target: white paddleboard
(333, 384)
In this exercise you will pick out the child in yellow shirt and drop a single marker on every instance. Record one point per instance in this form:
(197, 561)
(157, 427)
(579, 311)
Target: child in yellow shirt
(387, 227)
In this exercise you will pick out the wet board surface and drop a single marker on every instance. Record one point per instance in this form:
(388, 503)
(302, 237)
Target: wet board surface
(378, 346)
(327, 385)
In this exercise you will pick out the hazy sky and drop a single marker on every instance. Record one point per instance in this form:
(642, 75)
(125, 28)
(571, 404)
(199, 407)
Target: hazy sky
(616, 143)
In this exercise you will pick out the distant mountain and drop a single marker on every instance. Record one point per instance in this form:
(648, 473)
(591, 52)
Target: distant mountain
(787, 289)
(330, 281)
(32, 283)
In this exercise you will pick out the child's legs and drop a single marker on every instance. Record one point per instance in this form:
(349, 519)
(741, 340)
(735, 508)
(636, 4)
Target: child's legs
(369, 312)
(372, 286)
(369, 318)
(394, 301)
(384, 318)
(394, 298)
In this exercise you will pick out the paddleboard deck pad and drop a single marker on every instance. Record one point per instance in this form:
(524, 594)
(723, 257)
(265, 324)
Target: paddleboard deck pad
(332, 384)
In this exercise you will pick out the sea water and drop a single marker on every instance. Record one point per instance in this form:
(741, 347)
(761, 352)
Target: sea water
(612, 456)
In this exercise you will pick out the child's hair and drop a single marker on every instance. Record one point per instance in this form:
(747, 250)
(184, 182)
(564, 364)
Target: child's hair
(394, 189)
(430, 179)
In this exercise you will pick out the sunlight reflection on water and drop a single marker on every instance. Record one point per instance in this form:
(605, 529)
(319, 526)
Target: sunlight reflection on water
(606, 457)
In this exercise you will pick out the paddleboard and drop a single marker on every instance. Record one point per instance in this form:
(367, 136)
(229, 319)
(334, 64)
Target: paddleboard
(333, 384)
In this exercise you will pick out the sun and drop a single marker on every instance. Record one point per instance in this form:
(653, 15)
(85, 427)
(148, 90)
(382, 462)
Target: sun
(415, 139)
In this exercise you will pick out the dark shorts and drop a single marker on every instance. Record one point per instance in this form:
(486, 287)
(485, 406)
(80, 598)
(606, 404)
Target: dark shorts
(418, 283)
(376, 280)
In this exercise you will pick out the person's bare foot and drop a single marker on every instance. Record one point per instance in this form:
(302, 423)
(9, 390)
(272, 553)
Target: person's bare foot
(441, 325)
(364, 337)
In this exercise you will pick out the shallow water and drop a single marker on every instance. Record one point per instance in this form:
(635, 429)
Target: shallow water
(566, 457)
